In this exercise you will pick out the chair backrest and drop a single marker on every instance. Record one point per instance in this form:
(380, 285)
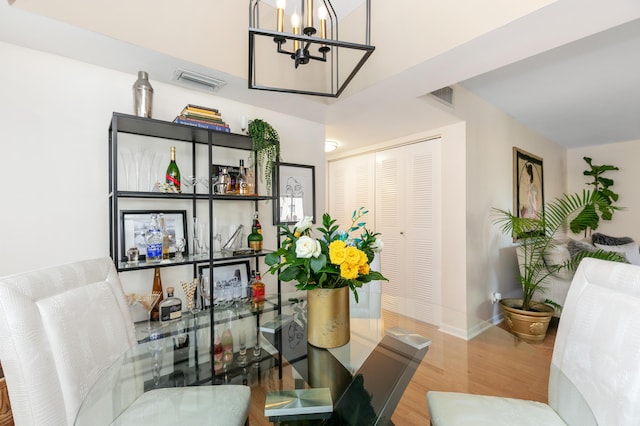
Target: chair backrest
(595, 373)
(60, 328)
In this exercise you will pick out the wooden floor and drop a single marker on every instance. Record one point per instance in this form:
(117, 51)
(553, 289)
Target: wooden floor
(493, 363)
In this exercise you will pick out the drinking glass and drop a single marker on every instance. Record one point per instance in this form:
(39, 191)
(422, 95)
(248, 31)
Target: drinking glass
(180, 245)
(203, 239)
(194, 236)
(149, 301)
(204, 291)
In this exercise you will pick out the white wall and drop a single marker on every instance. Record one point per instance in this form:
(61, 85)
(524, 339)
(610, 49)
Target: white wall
(490, 136)
(54, 120)
(624, 155)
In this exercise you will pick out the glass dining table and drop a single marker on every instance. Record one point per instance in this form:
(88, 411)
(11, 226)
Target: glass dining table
(265, 347)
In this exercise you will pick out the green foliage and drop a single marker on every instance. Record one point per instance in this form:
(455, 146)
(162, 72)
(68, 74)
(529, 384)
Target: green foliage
(266, 145)
(316, 270)
(589, 218)
(536, 239)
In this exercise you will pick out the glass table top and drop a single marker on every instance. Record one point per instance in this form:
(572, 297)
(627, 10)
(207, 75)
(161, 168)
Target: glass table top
(269, 353)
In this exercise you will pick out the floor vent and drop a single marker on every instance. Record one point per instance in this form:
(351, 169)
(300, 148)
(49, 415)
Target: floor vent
(444, 95)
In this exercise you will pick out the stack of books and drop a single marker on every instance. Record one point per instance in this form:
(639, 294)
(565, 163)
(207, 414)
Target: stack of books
(203, 117)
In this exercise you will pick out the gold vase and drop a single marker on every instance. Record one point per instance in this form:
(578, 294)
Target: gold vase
(328, 317)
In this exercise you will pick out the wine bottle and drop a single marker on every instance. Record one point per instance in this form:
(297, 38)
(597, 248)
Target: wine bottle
(173, 172)
(157, 288)
(254, 239)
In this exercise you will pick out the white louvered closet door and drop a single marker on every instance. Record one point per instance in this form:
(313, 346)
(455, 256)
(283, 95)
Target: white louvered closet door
(408, 216)
(351, 186)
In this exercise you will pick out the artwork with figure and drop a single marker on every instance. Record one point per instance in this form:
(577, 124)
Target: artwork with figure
(295, 193)
(528, 184)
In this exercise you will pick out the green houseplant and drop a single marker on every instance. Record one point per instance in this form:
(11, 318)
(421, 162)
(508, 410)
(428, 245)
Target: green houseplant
(536, 239)
(266, 145)
(589, 217)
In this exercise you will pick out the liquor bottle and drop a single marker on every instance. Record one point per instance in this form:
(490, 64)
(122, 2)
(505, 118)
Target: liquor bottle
(154, 240)
(165, 237)
(254, 239)
(171, 307)
(250, 173)
(241, 180)
(156, 289)
(218, 351)
(227, 339)
(173, 172)
(257, 293)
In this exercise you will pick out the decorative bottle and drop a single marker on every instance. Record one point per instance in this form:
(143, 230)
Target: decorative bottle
(156, 289)
(227, 339)
(254, 239)
(241, 180)
(154, 241)
(165, 237)
(171, 307)
(218, 352)
(142, 95)
(257, 293)
(173, 172)
(251, 177)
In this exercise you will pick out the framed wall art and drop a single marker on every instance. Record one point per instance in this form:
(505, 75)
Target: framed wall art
(295, 193)
(528, 184)
(230, 282)
(134, 225)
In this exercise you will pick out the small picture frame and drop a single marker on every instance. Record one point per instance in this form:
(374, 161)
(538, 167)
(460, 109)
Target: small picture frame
(295, 193)
(230, 281)
(134, 224)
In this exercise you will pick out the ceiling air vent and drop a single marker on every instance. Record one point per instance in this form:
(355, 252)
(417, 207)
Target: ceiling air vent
(198, 81)
(444, 95)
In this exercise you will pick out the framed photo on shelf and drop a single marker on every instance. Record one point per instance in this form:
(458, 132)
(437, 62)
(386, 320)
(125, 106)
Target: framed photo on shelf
(295, 193)
(134, 225)
(528, 184)
(230, 280)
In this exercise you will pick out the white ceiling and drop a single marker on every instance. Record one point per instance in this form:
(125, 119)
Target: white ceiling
(580, 94)
(569, 94)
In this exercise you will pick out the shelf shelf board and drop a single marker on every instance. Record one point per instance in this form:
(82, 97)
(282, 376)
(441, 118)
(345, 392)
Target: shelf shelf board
(188, 260)
(190, 196)
(126, 123)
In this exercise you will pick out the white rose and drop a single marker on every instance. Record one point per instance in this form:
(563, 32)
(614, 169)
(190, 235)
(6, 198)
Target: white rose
(304, 224)
(307, 247)
(377, 245)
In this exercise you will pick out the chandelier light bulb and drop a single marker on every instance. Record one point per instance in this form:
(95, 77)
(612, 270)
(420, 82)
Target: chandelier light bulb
(322, 16)
(280, 15)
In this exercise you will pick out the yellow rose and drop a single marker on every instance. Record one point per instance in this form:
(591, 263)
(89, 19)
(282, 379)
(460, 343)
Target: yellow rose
(337, 252)
(364, 269)
(352, 256)
(348, 272)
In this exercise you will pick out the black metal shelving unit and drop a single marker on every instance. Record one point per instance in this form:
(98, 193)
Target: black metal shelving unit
(152, 128)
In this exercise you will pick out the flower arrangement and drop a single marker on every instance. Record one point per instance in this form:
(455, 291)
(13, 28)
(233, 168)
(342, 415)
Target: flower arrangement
(335, 260)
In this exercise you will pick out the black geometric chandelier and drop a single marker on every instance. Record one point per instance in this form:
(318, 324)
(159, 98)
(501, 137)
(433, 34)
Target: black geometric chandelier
(306, 56)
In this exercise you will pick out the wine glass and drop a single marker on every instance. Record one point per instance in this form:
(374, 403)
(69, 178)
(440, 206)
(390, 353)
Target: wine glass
(155, 346)
(190, 293)
(149, 301)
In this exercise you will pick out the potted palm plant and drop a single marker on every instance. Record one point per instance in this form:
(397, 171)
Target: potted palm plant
(536, 237)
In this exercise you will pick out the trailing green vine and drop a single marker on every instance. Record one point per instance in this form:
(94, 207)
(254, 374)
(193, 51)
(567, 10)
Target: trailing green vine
(266, 145)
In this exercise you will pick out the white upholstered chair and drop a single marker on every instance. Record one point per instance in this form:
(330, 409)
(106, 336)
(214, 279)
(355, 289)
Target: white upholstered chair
(62, 327)
(595, 367)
